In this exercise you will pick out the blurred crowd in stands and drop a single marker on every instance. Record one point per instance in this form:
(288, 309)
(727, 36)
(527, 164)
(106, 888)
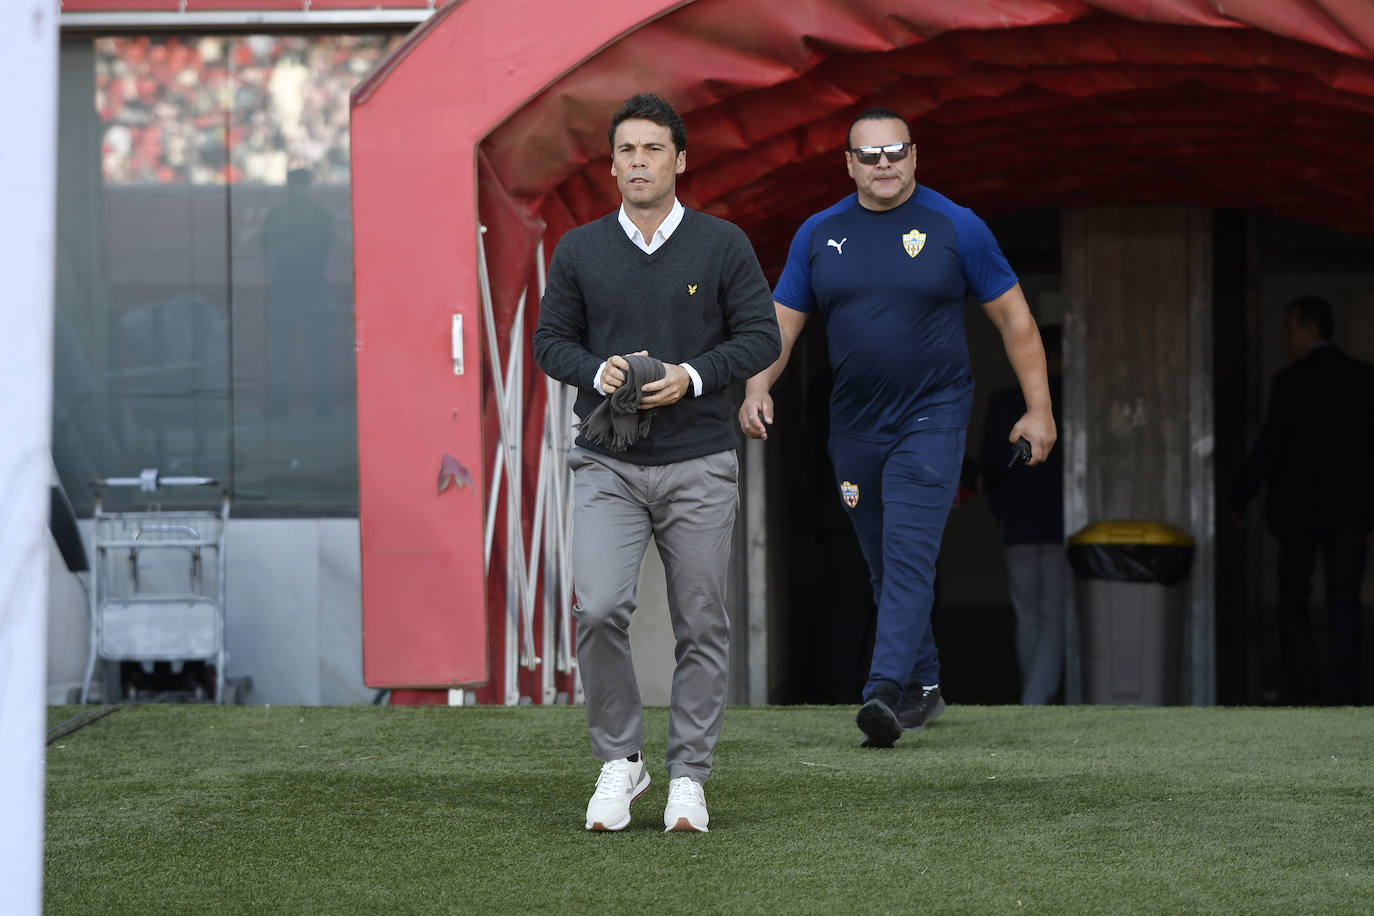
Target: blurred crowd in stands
(216, 109)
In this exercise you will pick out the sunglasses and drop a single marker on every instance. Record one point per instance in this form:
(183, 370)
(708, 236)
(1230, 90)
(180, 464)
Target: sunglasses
(869, 155)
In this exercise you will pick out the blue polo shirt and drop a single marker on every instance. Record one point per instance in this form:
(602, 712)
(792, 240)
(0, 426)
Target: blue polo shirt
(890, 287)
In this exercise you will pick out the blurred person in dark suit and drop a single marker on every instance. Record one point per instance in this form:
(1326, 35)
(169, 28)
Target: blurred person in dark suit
(1028, 504)
(1314, 456)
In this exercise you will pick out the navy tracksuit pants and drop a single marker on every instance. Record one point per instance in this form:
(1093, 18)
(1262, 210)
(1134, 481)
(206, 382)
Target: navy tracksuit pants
(898, 495)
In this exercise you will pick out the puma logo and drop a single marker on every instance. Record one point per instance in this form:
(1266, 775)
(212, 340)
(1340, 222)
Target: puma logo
(839, 246)
(691, 289)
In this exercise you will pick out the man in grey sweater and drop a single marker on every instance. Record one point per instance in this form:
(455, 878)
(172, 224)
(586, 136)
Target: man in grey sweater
(685, 290)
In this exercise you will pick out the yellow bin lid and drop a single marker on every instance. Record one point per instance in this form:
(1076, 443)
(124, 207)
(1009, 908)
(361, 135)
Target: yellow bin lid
(1126, 531)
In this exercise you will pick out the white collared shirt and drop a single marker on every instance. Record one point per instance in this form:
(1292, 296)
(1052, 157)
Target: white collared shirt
(661, 234)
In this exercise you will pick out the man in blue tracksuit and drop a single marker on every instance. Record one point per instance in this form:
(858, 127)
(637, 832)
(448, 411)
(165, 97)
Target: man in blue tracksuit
(889, 268)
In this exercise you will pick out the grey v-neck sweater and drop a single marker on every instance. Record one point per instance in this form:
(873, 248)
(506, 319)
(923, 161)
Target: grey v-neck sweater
(700, 298)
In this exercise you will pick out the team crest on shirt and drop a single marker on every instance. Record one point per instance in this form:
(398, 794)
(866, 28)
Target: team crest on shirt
(849, 492)
(913, 242)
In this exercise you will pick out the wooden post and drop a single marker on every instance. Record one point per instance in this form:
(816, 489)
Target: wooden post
(1138, 392)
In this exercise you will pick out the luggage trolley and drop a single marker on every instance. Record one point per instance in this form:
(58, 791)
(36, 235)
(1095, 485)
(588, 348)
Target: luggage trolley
(158, 586)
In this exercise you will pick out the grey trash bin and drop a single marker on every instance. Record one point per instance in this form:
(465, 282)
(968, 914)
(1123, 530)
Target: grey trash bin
(1131, 605)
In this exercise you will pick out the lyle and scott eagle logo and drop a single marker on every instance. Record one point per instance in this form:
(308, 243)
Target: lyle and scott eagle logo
(691, 289)
(839, 246)
(913, 242)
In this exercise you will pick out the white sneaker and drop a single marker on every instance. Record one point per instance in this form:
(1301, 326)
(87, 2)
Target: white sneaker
(621, 782)
(686, 811)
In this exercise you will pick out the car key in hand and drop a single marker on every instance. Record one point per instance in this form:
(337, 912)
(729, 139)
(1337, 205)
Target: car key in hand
(1021, 452)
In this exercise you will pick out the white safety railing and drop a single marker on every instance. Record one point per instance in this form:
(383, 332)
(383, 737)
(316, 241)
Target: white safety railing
(551, 523)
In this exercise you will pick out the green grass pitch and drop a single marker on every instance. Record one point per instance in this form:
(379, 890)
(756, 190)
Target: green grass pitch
(183, 809)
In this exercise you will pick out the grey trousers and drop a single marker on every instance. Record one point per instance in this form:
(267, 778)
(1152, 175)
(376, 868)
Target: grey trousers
(689, 509)
(1038, 575)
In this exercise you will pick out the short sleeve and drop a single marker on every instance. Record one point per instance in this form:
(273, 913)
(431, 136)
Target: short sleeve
(794, 286)
(986, 270)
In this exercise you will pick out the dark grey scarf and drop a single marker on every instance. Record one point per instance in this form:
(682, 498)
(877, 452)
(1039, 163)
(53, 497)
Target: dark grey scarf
(617, 422)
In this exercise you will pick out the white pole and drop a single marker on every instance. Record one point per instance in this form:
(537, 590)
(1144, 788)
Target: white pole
(28, 185)
(756, 549)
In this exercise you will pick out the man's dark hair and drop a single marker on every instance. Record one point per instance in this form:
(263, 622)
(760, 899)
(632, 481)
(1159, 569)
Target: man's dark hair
(1314, 311)
(874, 114)
(648, 107)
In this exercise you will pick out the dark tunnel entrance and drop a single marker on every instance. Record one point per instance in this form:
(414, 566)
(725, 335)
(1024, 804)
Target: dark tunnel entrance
(824, 605)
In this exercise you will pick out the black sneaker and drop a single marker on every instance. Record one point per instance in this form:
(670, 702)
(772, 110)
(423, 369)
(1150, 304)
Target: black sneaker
(877, 719)
(920, 707)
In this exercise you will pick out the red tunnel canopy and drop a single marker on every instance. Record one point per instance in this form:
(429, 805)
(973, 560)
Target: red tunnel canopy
(1255, 104)
(1013, 104)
